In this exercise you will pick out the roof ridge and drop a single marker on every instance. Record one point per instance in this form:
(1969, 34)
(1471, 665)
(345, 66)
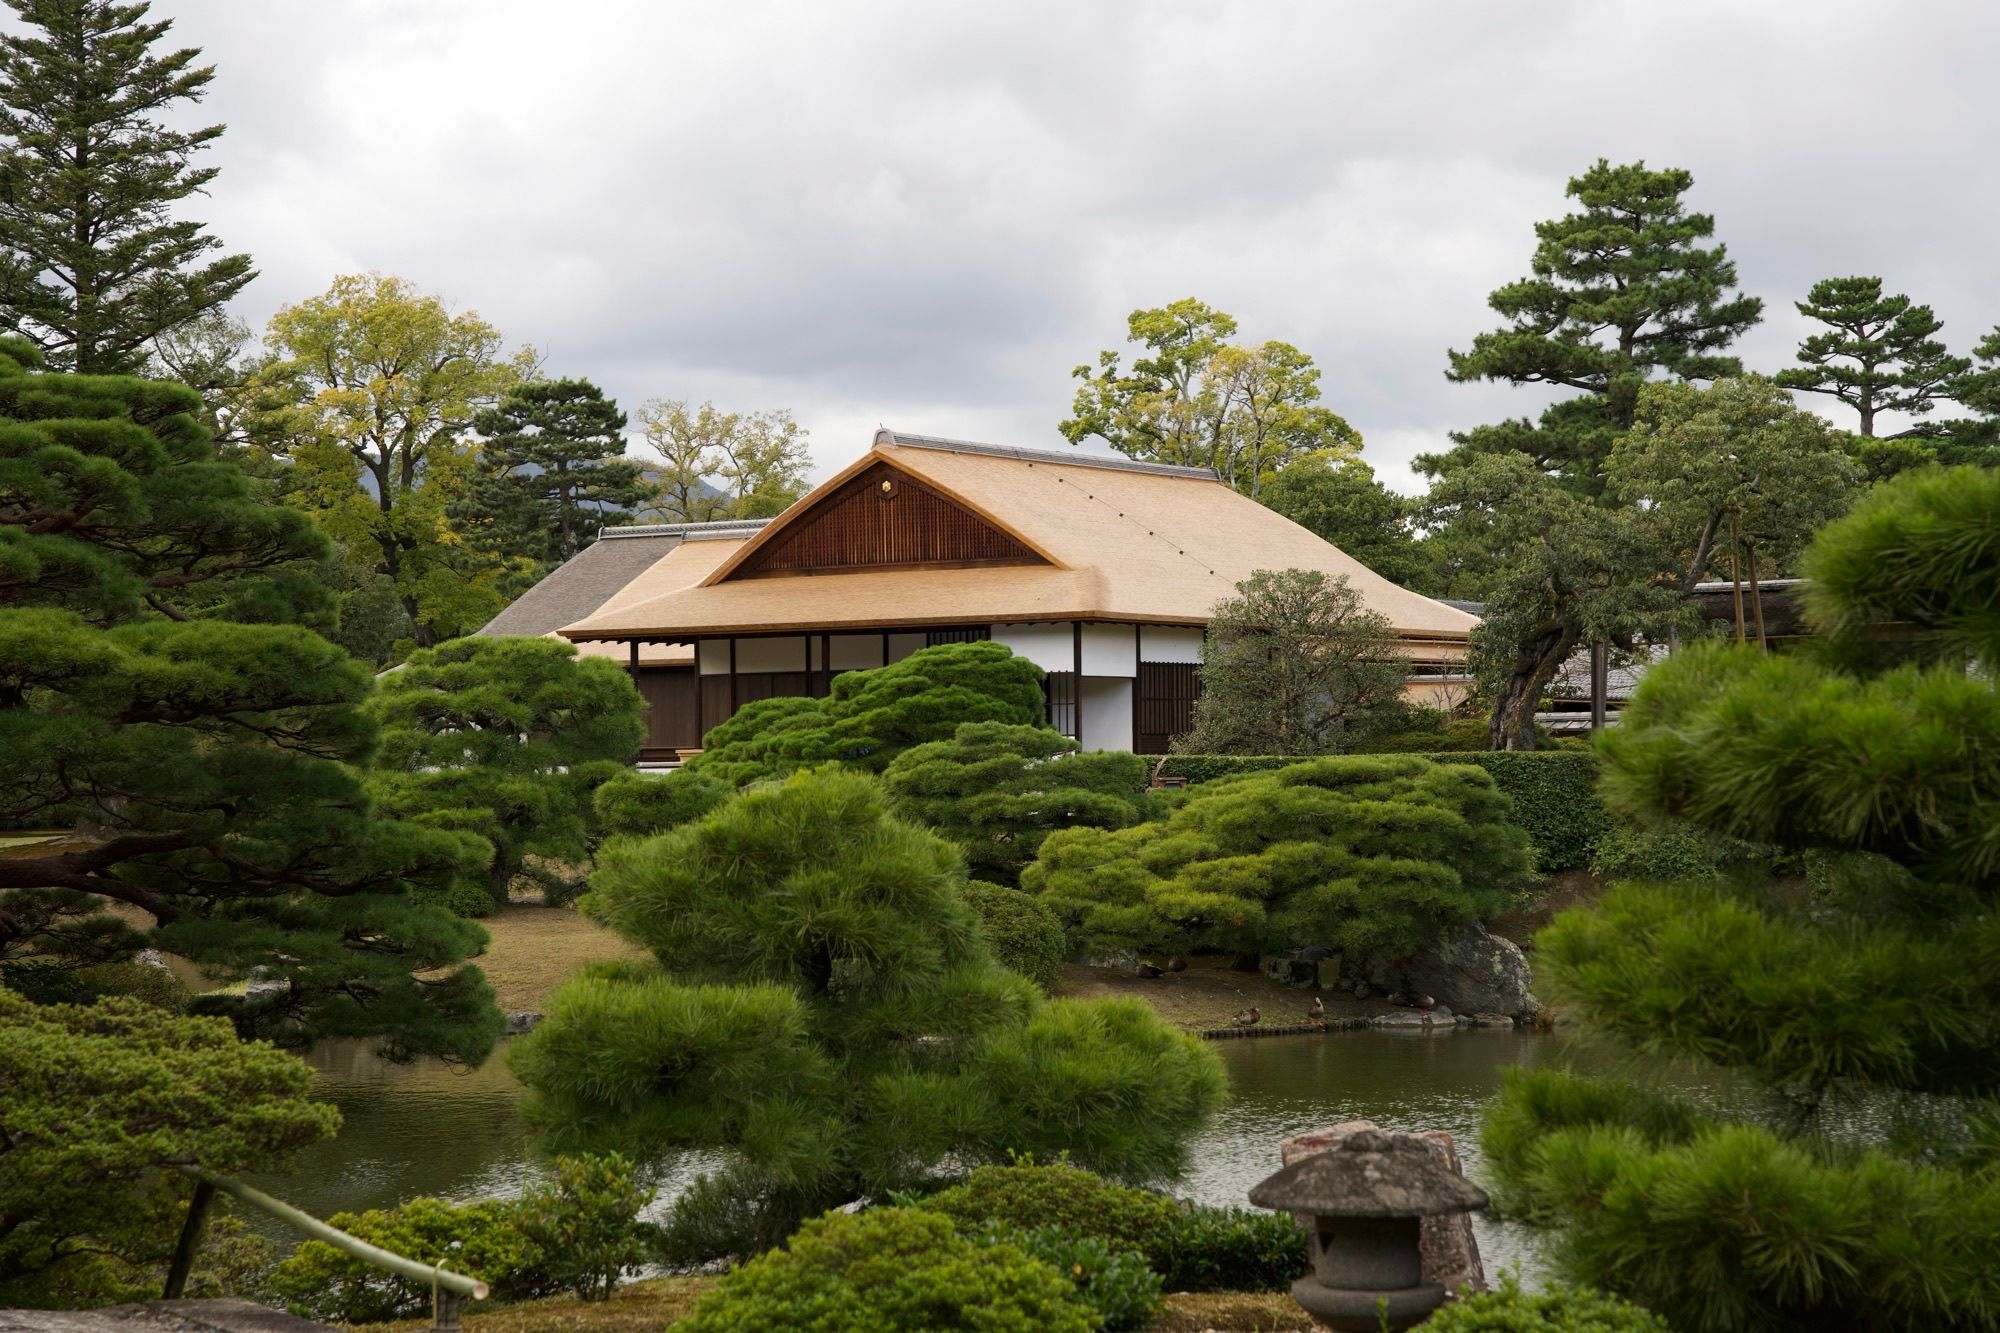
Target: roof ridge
(939, 442)
(716, 527)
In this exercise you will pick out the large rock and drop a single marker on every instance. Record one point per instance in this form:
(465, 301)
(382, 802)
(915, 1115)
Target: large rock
(1450, 1252)
(1468, 969)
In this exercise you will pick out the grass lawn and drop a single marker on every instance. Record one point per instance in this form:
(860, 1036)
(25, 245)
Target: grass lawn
(661, 1302)
(535, 949)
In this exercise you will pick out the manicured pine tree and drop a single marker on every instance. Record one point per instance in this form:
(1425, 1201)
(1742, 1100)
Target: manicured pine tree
(552, 471)
(505, 738)
(1874, 760)
(822, 1010)
(1879, 353)
(95, 261)
(203, 770)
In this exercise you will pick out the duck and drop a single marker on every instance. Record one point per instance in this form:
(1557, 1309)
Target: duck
(1316, 1014)
(1246, 1018)
(1411, 1000)
(1177, 964)
(1150, 970)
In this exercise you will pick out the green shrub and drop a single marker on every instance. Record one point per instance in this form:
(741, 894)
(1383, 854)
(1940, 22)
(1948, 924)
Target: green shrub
(999, 790)
(482, 1240)
(1020, 929)
(891, 1270)
(1117, 1283)
(1029, 1196)
(1554, 792)
(584, 1218)
(1634, 851)
(635, 804)
(1460, 735)
(51, 983)
(870, 717)
(1229, 1249)
(1373, 854)
(1558, 1309)
(461, 897)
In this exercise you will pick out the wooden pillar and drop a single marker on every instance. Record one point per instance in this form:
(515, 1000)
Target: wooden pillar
(634, 667)
(732, 676)
(1600, 683)
(1135, 687)
(1076, 657)
(826, 663)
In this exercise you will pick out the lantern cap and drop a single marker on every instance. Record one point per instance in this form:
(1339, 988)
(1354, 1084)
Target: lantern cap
(1369, 1173)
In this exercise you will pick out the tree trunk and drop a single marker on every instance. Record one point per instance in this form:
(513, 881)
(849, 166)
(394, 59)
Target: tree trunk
(1513, 723)
(189, 1242)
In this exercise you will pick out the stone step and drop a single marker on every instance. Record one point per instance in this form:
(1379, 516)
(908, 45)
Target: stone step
(221, 1316)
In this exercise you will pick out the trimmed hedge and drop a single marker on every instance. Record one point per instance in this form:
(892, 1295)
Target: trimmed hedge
(1554, 792)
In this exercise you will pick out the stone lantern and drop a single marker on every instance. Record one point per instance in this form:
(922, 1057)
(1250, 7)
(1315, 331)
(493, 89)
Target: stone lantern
(1365, 1198)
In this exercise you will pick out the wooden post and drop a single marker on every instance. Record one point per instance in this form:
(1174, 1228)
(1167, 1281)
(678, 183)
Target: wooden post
(1757, 601)
(1600, 683)
(1076, 658)
(634, 666)
(1135, 686)
(1736, 578)
(826, 663)
(732, 675)
(189, 1242)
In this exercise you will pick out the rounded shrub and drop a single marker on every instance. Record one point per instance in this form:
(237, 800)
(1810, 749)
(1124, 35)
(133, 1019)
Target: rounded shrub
(635, 804)
(891, 1270)
(1559, 1309)
(1020, 929)
(1117, 1283)
(1229, 1249)
(1029, 1196)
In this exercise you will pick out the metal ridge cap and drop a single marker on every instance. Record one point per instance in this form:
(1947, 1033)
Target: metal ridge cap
(717, 528)
(948, 445)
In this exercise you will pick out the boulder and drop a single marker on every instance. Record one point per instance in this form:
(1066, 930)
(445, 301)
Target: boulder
(522, 1020)
(1450, 1252)
(1467, 969)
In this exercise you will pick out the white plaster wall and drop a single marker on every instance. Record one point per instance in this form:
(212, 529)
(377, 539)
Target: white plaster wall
(902, 645)
(1110, 650)
(1169, 643)
(855, 652)
(1050, 645)
(786, 654)
(1107, 713)
(713, 657)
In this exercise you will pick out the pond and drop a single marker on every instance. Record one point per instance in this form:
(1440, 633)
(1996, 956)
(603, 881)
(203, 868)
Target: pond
(425, 1128)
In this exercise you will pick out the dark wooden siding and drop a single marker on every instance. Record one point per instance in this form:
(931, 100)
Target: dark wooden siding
(1062, 702)
(970, 634)
(673, 712)
(861, 525)
(1164, 700)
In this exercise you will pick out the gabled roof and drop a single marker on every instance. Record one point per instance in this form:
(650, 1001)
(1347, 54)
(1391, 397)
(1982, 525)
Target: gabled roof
(1123, 541)
(599, 575)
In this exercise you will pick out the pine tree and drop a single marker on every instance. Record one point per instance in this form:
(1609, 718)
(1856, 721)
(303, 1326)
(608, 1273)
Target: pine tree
(822, 1011)
(1875, 762)
(201, 761)
(94, 263)
(552, 471)
(1880, 353)
(1616, 293)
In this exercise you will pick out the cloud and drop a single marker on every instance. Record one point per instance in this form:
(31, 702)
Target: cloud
(926, 214)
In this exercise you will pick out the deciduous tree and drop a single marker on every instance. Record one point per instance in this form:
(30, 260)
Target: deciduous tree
(1198, 400)
(1294, 664)
(822, 1010)
(1373, 853)
(370, 395)
(720, 465)
(1879, 353)
(96, 258)
(1877, 761)
(552, 471)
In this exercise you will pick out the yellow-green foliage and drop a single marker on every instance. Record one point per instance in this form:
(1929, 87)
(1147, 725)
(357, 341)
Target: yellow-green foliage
(870, 717)
(97, 1105)
(824, 1008)
(891, 1270)
(1376, 854)
(1555, 1309)
(635, 804)
(1020, 929)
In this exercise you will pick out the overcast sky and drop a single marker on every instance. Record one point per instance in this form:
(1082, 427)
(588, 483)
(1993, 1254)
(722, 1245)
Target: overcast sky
(924, 215)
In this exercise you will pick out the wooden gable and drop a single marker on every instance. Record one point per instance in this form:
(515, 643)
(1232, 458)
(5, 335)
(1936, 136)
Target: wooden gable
(883, 518)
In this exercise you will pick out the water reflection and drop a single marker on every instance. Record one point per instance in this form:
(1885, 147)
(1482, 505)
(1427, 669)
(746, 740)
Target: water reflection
(425, 1128)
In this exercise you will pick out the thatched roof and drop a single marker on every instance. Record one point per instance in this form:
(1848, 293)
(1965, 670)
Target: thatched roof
(1121, 541)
